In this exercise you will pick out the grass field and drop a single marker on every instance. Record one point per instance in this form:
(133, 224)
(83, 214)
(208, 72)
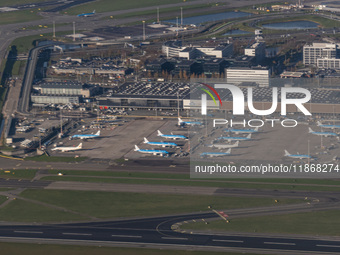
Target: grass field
(18, 16)
(162, 11)
(43, 249)
(24, 44)
(2, 199)
(310, 223)
(18, 174)
(109, 5)
(120, 204)
(22, 211)
(18, 67)
(324, 22)
(187, 177)
(200, 183)
(18, 2)
(44, 158)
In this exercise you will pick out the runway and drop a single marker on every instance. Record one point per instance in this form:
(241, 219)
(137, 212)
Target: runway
(152, 232)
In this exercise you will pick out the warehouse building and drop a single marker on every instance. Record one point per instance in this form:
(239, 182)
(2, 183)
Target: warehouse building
(62, 92)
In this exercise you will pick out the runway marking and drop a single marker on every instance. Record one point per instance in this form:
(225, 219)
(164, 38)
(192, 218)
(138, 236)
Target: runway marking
(28, 232)
(174, 238)
(126, 236)
(228, 241)
(279, 243)
(77, 234)
(328, 245)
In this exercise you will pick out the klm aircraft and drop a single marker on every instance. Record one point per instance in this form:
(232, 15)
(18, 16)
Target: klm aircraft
(322, 133)
(216, 154)
(242, 131)
(154, 152)
(175, 137)
(163, 144)
(230, 138)
(189, 123)
(328, 126)
(225, 146)
(88, 136)
(87, 14)
(299, 156)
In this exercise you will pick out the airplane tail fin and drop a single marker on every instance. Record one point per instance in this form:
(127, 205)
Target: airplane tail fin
(146, 140)
(256, 129)
(287, 153)
(228, 151)
(98, 133)
(159, 133)
(136, 148)
(319, 123)
(80, 146)
(249, 136)
(311, 130)
(237, 143)
(94, 11)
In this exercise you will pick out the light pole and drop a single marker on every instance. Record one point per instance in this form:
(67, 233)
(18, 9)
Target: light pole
(143, 30)
(308, 153)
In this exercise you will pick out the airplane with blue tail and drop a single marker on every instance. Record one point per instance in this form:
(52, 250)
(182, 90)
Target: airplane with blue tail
(230, 138)
(87, 14)
(188, 123)
(326, 134)
(242, 131)
(215, 154)
(328, 125)
(163, 144)
(299, 156)
(224, 146)
(154, 152)
(86, 136)
(175, 137)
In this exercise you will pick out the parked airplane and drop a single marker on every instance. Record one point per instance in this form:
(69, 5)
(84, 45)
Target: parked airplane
(242, 131)
(175, 137)
(225, 146)
(216, 154)
(322, 133)
(163, 144)
(189, 123)
(299, 156)
(86, 136)
(87, 14)
(65, 149)
(154, 152)
(230, 138)
(327, 125)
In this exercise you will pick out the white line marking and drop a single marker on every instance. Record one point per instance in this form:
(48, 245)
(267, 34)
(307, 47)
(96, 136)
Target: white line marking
(228, 241)
(328, 245)
(126, 236)
(77, 234)
(28, 232)
(174, 238)
(279, 243)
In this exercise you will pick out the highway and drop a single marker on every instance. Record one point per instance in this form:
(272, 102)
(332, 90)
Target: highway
(152, 232)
